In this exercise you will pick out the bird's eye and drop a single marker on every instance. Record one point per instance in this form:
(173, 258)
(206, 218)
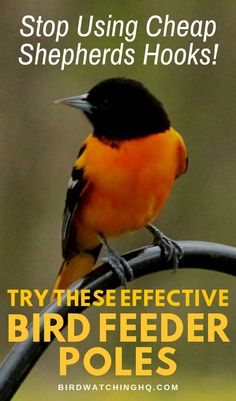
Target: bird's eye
(106, 104)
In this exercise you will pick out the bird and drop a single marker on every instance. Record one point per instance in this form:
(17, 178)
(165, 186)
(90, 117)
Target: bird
(121, 178)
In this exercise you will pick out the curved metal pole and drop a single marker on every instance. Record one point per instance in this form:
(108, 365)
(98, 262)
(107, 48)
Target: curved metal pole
(203, 255)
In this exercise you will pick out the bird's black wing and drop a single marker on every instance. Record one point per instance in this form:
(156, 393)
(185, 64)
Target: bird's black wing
(76, 186)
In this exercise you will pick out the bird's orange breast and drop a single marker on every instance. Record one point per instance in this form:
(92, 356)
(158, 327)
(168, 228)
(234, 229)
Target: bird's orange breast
(128, 184)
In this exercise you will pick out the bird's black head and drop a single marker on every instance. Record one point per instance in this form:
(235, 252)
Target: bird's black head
(121, 108)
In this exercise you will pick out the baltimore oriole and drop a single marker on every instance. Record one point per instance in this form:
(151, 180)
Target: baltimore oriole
(122, 176)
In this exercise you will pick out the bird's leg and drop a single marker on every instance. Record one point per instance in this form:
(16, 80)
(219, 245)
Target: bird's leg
(118, 264)
(170, 249)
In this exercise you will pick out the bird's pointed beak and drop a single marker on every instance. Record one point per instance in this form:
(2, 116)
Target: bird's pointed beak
(79, 102)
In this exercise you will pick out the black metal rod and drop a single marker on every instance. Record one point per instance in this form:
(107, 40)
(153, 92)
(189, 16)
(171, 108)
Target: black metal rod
(203, 255)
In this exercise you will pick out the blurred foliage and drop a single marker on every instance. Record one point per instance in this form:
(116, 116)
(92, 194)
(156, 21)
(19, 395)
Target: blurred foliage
(39, 141)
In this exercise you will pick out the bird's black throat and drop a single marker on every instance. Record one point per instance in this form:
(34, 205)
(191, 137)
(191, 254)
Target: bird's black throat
(124, 109)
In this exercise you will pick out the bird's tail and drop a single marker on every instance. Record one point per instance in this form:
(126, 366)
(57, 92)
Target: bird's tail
(75, 268)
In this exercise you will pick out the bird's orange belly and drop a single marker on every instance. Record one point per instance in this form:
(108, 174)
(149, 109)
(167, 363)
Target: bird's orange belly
(124, 210)
(128, 187)
(123, 215)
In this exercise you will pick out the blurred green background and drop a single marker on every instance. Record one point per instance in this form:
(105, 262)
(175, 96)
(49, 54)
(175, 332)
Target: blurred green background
(40, 140)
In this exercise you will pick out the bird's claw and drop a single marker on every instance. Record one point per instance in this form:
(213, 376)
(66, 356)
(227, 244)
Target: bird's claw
(120, 266)
(170, 249)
